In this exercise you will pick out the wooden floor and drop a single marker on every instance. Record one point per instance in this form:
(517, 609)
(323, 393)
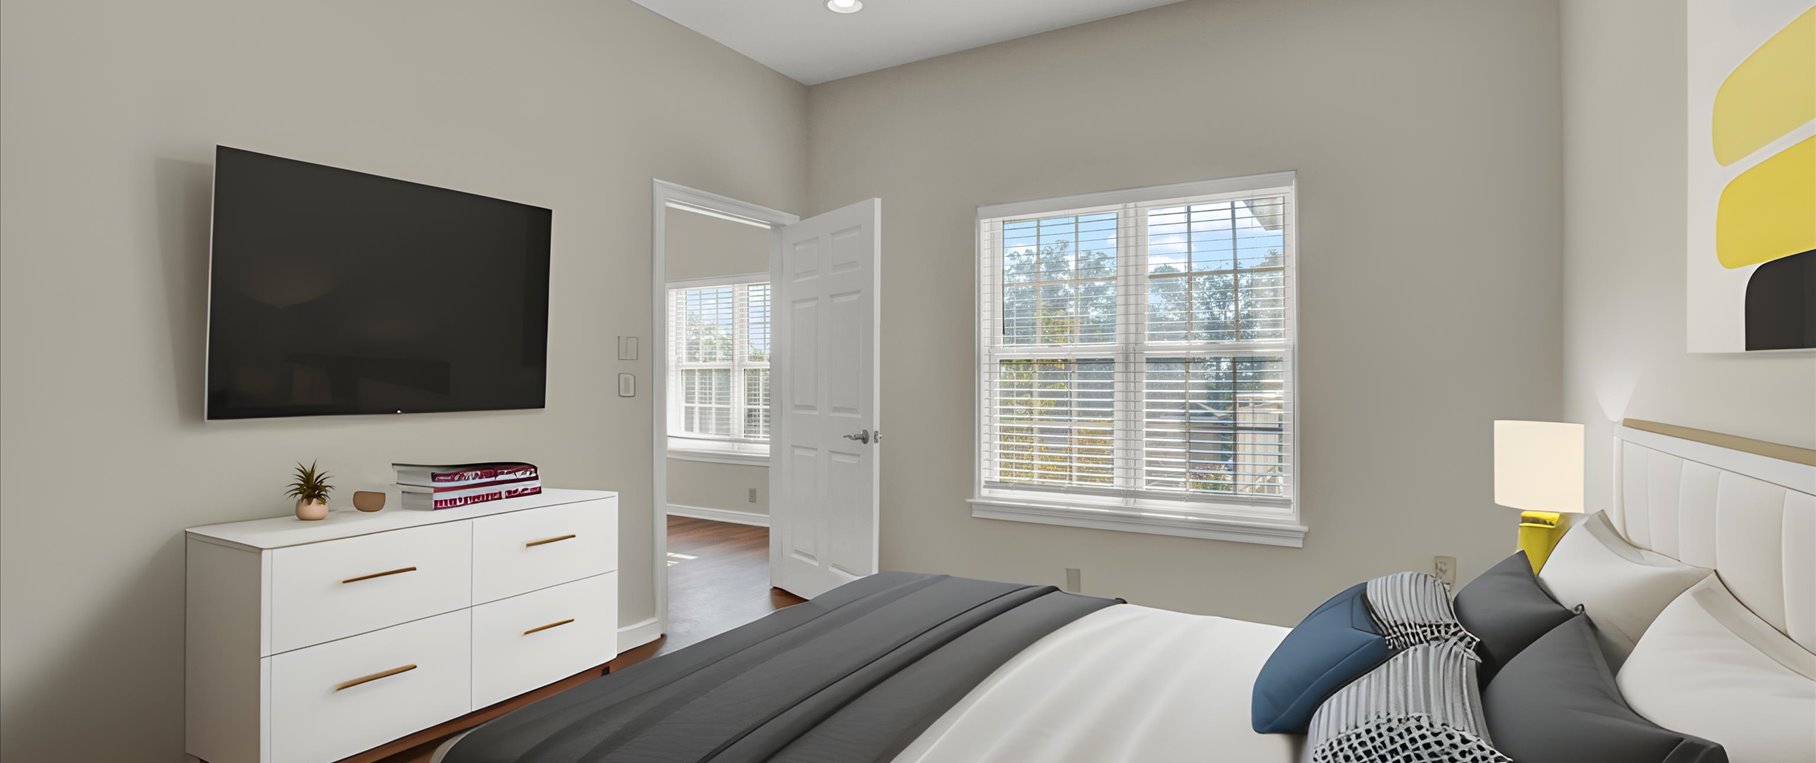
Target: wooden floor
(718, 579)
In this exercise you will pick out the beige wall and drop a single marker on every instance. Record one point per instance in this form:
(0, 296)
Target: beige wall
(1624, 187)
(718, 486)
(110, 114)
(1426, 137)
(698, 246)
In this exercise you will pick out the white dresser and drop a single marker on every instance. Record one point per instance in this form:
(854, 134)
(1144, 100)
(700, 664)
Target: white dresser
(313, 641)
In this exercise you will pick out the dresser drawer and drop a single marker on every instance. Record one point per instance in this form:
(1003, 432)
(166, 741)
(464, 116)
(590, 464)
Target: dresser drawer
(527, 641)
(336, 699)
(525, 550)
(324, 591)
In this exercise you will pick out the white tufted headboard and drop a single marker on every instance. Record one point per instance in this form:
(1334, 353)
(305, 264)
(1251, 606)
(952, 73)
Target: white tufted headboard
(1750, 516)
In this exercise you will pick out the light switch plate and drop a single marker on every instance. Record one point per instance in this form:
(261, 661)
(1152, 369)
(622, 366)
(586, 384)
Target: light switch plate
(627, 348)
(627, 385)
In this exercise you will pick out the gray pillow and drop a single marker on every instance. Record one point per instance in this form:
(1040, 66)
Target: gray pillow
(1420, 705)
(1556, 702)
(1507, 610)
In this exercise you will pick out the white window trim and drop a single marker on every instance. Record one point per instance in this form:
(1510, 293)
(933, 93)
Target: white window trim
(727, 280)
(718, 451)
(1260, 520)
(707, 449)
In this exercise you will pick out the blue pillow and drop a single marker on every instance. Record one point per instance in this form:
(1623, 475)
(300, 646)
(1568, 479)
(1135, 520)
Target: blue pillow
(1335, 644)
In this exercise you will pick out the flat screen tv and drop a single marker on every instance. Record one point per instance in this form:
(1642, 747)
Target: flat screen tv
(338, 292)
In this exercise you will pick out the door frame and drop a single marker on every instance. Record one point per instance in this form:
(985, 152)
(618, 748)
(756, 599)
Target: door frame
(665, 196)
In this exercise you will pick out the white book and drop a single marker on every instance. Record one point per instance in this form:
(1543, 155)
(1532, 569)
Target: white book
(424, 497)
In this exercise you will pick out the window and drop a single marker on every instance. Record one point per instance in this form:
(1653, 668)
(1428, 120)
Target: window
(1135, 361)
(718, 369)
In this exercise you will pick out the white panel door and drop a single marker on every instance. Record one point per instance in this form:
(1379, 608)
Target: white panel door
(824, 445)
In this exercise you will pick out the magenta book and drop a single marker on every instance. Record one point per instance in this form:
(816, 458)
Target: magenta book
(458, 475)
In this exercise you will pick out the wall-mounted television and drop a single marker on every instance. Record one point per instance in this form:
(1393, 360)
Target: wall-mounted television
(338, 292)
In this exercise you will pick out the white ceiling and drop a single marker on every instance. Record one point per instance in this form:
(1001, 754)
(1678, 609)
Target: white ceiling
(804, 40)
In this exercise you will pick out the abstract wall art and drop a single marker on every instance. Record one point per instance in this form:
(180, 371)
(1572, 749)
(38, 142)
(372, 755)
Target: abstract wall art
(1752, 175)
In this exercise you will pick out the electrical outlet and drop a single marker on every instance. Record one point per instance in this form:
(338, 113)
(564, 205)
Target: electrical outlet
(1074, 580)
(753, 495)
(1445, 569)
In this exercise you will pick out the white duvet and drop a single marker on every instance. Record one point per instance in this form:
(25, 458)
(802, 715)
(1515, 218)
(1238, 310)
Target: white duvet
(1124, 683)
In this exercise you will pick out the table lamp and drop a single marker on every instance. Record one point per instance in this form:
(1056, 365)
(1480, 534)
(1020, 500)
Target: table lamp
(1538, 469)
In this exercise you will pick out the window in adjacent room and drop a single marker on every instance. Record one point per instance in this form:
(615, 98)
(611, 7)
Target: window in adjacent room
(1135, 361)
(718, 369)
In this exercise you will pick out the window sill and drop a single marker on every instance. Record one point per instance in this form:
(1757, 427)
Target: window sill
(717, 456)
(1263, 531)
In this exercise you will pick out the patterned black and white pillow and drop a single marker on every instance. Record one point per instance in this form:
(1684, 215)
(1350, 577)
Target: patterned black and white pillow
(1421, 706)
(1412, 608)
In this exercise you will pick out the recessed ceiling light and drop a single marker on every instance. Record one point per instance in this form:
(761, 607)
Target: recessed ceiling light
(844, 6)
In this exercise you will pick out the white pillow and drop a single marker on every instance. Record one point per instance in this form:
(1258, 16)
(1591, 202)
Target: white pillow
(1620, 586)
(1710, 667)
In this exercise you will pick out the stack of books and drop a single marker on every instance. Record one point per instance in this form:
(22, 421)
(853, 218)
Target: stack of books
(454, 485)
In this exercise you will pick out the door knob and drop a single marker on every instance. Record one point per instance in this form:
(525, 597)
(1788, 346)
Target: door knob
(862, 436)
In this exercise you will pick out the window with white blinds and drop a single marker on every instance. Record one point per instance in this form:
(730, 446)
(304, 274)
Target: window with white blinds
(1136, 357)
(718, 365)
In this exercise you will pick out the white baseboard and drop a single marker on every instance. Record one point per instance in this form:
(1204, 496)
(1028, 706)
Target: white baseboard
(720, 515)
(637, 634)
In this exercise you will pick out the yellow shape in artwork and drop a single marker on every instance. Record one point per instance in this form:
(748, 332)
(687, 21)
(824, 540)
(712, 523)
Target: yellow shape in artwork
(1770, 210)
(1769, 94)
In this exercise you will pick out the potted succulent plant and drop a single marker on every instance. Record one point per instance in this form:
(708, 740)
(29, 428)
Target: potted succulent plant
(310, 488)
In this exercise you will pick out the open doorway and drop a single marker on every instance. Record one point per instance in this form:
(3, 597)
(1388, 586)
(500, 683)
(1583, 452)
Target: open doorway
(736, 382)
(711, 352)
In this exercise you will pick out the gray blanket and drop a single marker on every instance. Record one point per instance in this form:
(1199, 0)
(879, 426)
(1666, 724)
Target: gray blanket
(854, 675)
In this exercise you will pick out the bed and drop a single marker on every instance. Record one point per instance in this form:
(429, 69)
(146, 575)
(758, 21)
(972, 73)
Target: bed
(931, 669)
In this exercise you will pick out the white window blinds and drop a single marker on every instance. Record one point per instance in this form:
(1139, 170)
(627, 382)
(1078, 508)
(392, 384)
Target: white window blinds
(1139, 352)
(718, 359)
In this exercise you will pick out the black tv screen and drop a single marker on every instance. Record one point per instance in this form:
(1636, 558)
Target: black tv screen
(338, 292)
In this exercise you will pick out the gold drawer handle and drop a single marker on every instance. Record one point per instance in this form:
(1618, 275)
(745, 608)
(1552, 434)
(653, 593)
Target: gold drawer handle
(546, 541)
(541, 628)
(374, 677)
(398, 571)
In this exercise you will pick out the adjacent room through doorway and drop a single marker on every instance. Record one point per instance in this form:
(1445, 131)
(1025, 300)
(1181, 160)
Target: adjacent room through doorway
(765, 339)
(714, 419)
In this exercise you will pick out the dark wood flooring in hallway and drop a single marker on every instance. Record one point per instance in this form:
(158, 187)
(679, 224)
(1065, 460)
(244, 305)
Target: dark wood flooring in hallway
(718, 579)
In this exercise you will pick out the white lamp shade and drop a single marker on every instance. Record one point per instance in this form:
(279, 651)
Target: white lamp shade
(1538, 466)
